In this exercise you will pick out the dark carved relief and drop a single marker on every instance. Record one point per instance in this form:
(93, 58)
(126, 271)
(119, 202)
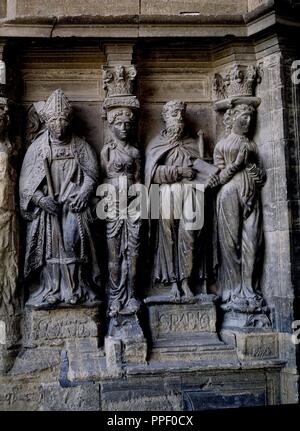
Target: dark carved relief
(9, 232)
(239, 213)
(57, 184)
(9, 235)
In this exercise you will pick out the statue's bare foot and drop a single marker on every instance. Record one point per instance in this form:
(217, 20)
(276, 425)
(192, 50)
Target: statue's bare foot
(73, 300)
(52, 299)
(188, 294)
(175, 293)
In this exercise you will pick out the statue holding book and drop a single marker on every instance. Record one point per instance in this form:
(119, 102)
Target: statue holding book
(174, 161)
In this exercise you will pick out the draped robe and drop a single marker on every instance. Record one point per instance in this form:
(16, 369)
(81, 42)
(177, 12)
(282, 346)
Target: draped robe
(239, 221)
(74, 169)
(121, 161)
(176, 248)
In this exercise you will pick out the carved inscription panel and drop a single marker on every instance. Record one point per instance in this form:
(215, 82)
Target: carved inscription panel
(182, 319)
(44, 327)
(258, 346)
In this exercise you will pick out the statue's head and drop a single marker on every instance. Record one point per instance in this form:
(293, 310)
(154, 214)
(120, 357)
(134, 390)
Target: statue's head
(173, 115)
(120, 121)
(4, 118)
(239, 118)
(57, 115)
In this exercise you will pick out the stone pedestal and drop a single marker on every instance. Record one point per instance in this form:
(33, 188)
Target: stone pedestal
(243, 320)
(253, 345)
(53, 327)
(125, 341)
(73, 332)
(186, 330)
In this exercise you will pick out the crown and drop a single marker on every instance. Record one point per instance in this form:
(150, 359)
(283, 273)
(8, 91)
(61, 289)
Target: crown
(118, 83)
(236, 86)
(57, 105)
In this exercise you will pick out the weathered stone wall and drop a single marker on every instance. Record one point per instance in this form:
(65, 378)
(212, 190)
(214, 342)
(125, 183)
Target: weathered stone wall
(77, 71)
(23, 8)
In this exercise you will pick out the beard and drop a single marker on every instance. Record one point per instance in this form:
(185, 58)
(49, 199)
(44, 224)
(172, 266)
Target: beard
(175, 132)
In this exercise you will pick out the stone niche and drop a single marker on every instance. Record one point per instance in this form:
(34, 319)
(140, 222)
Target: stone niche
(173, 353)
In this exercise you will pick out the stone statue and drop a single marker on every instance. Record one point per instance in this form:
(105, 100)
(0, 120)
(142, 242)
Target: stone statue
(121, 167)
(175, 158)
(58, 180)
(9, 231)
(239, 213)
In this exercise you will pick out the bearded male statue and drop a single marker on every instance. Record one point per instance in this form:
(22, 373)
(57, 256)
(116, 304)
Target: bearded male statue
(174, 158)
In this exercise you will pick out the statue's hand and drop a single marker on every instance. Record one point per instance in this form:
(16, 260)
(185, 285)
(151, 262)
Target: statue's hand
(188, 173)
(214, 181)
(78, 203)
(49, 205)
(242, 157)
(200, 133)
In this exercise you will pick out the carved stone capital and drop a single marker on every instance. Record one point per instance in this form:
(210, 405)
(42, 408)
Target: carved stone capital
(238, 82)
(118, 83)
(119, 80)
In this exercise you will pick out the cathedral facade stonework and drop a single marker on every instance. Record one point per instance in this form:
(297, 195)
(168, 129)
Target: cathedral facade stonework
(149, 204)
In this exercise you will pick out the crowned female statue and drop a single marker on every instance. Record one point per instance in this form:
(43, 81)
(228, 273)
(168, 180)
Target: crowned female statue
(121, 167)
(239, 212)
(57, 183)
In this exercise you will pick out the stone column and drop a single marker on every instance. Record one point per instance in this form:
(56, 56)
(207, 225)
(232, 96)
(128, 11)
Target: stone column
(125, 341)
(278, 139)
(9, 233)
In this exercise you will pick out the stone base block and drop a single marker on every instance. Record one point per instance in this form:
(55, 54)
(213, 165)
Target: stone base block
(7, 358)
(233, 320)
(194, 389)
(253, 346)
(37, 361)
(10, 334)
(79, 398)
(125, 342)
(19, 396)
(186, 331)
(86, 361)
(56, 326)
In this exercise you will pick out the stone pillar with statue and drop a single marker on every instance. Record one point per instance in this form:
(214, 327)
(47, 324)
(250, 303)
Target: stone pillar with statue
(57, 182)
(239, 213)
(57, 187)
(121, 168)
(182, 312)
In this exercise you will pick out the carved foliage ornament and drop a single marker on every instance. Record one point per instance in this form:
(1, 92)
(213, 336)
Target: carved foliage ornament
(237, 85)
(118, 83)
(237, 81)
